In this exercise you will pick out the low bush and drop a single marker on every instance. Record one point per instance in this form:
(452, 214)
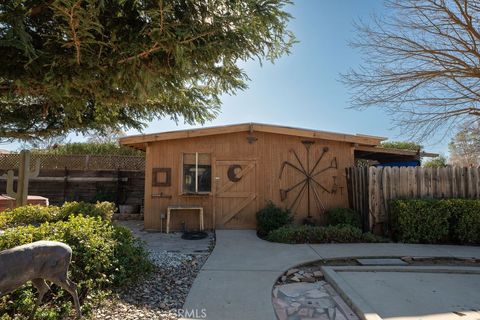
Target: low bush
(37, 214)
(436, 220)
(105, 256)
(104, 210)
(316, 234)
(28, 215)
(271, 218)
(344, 216)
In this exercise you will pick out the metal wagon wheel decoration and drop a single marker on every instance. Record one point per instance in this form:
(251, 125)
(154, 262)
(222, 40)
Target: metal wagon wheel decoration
(308, 184)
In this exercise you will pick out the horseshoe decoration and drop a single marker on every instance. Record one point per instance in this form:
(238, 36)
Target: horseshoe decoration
(232, 176)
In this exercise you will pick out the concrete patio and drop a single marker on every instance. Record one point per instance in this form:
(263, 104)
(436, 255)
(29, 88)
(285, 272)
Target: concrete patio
(236, 281)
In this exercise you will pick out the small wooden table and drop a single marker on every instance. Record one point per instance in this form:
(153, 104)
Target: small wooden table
(170, 208)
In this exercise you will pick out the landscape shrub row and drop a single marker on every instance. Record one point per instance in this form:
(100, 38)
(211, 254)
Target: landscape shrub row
(344, 225)
(35, 215)
(436, 220)
(105, 255)
(318, 234)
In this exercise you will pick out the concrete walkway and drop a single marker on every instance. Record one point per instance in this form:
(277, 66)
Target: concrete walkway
(237, 279)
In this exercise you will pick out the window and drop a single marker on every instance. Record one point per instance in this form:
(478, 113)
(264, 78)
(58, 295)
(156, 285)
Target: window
(197, 173)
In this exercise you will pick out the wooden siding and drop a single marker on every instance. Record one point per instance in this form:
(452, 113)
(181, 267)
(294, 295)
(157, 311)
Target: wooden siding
(250, 194)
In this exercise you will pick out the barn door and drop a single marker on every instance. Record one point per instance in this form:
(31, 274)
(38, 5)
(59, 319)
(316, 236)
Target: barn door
(235, 194)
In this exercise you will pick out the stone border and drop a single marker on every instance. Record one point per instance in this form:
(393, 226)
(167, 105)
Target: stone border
(357, 303)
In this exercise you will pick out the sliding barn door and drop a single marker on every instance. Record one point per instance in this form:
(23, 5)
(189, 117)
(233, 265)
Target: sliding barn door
(235, 194)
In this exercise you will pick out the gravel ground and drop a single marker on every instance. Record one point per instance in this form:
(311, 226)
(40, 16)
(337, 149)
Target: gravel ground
(160, 295)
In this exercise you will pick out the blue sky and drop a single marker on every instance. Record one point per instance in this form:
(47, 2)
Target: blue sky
(303, 89)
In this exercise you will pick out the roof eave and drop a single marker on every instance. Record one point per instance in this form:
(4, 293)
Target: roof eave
(140, 140)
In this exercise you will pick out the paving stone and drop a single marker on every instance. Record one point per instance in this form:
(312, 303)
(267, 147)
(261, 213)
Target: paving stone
(316, 293)
(306, 312)
(280, 302)
(339, 315)
(280, 312)
(382, 262)
(291, 310)
(275, 292)
(324, 303)
(331, 313)
(294, 290)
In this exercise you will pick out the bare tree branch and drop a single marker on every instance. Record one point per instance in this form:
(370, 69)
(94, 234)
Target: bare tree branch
(421, 64)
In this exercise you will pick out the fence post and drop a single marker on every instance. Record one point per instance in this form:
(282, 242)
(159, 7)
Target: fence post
(65, 183)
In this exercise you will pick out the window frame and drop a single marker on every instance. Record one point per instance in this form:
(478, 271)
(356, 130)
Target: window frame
(182, 175)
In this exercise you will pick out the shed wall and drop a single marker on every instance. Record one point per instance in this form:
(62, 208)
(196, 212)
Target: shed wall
(264, 159)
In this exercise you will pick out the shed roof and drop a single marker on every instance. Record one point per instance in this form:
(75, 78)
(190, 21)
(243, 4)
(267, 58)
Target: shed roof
(139, 141)
(385, 155)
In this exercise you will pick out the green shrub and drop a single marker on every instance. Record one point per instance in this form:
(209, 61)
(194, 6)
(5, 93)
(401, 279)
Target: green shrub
(344, 216)
(315, 234)
(26, 215)
(436, 220)
(272, 217)
(104, 210)
(37, 214)
(464, 220)
(104, 256)
(419, 221)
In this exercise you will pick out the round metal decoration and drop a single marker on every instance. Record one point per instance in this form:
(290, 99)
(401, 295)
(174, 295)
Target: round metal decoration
(232, 176)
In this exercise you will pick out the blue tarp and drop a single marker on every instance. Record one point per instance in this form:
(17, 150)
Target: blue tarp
(410, 163)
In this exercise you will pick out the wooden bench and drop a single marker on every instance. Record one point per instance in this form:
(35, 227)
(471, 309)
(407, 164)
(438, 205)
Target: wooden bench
(171, 208)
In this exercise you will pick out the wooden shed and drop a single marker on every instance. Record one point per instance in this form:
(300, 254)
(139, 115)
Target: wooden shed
(232, 171)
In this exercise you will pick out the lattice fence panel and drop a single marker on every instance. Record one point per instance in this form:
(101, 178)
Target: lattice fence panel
(74, 162)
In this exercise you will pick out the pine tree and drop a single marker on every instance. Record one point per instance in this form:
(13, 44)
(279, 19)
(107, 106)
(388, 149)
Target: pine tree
(82, 65)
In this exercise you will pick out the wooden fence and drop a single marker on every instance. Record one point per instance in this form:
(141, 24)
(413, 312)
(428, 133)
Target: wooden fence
(370, 189)
(121, 186)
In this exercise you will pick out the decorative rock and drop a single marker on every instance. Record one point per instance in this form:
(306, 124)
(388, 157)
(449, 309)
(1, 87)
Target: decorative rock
(295, 278)
(283, 279)
(318, 274)
(158, 296)
(291, 271)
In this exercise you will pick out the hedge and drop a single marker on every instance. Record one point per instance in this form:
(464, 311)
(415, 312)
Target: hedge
(37, 214)
(316, 234)
(436, 220)
(344, 216)
(105, 256)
